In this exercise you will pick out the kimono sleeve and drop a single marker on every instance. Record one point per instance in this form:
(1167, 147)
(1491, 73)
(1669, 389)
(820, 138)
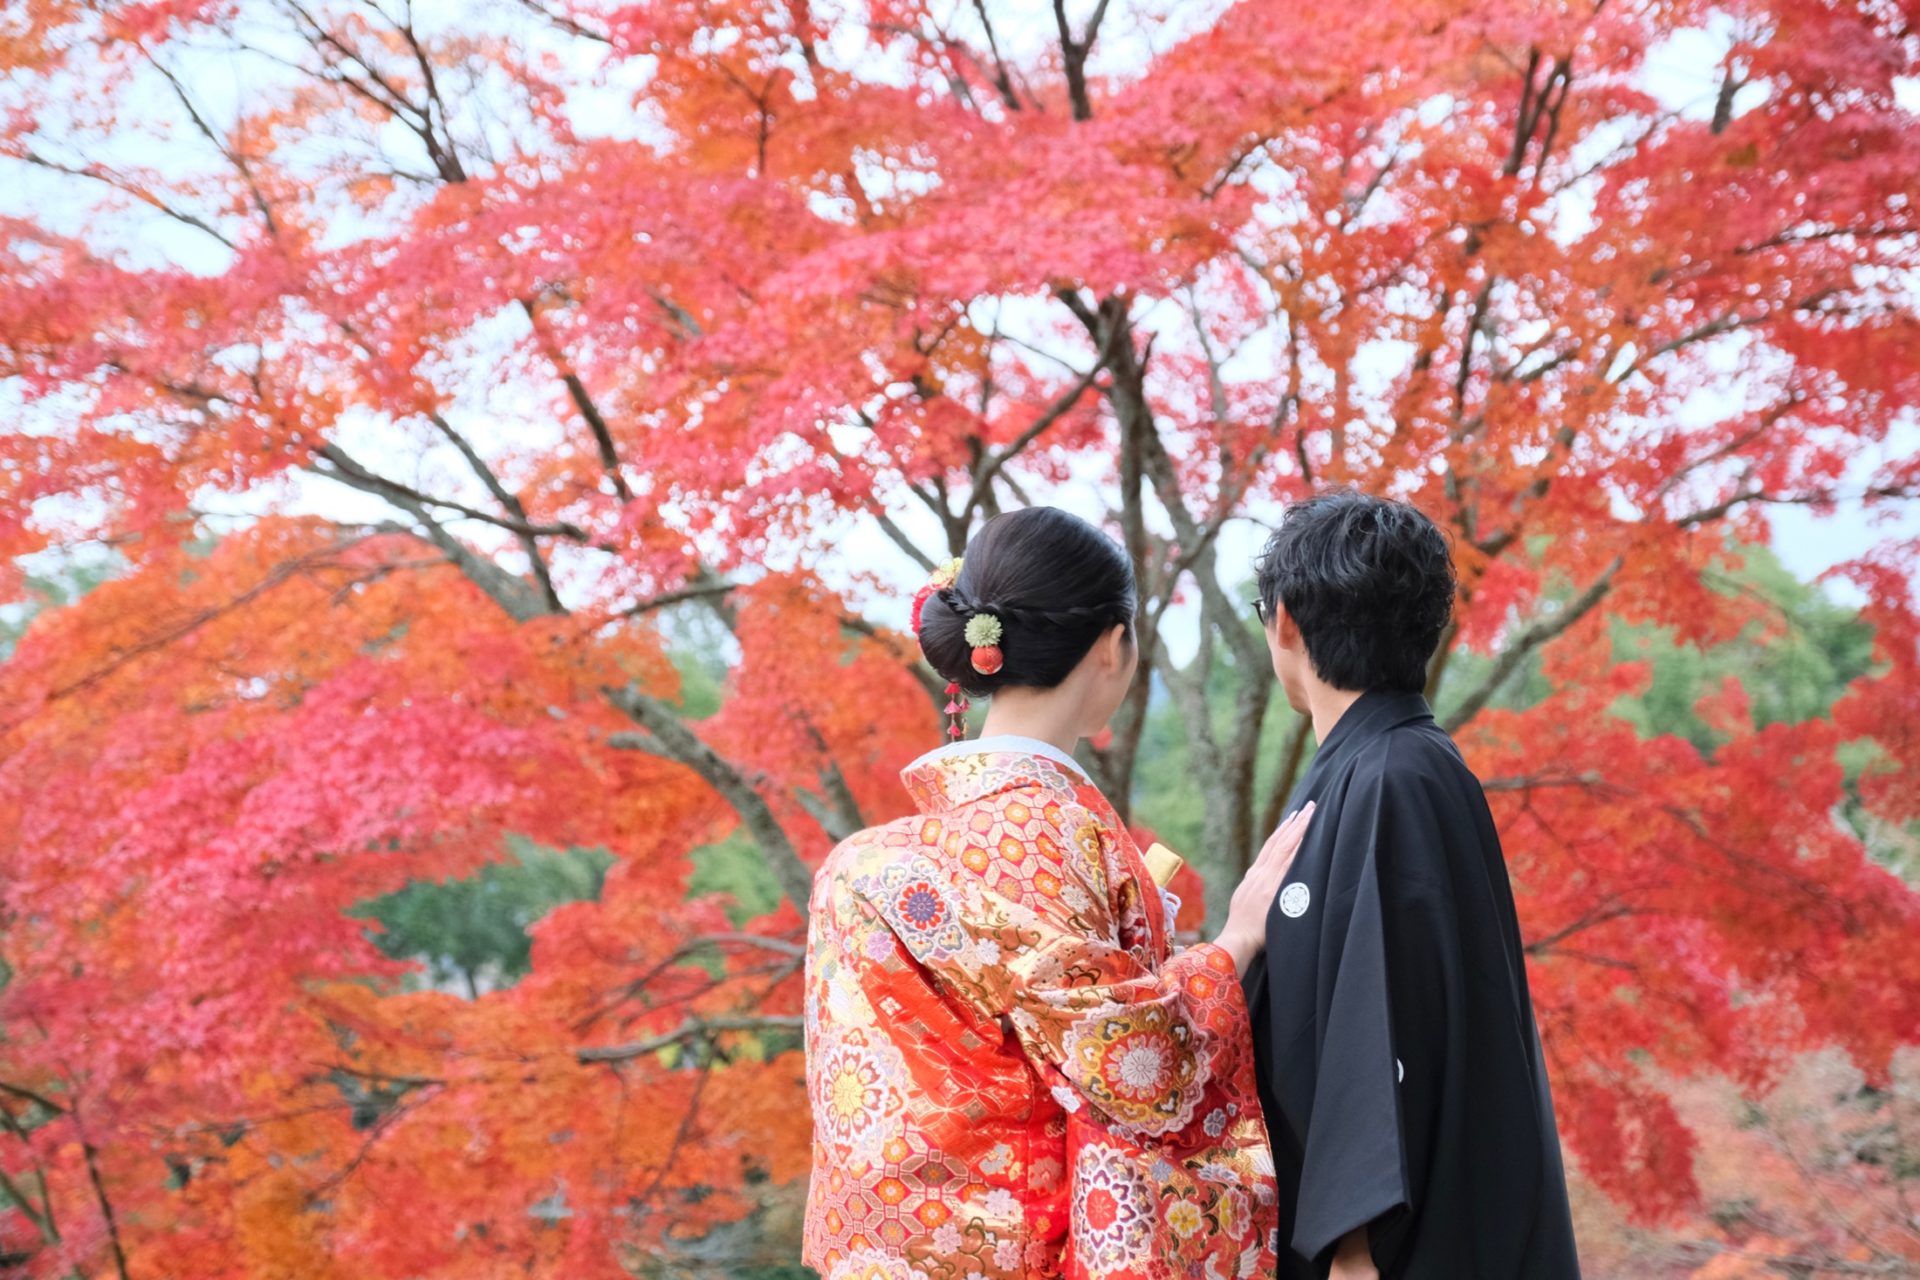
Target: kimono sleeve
(1162, 1054)
(1382, 1018)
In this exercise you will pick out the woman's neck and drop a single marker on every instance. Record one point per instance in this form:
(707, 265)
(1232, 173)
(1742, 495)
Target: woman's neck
(1026, 713)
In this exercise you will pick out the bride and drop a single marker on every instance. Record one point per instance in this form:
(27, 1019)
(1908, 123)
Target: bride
(1013, 1072)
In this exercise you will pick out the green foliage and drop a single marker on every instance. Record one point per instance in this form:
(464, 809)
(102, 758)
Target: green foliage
(735, 866)
(52, 590)
(698, 644)
(1793, 668)
(1164, 797)
(473, 931)
(1163, 800)
(760, 1246)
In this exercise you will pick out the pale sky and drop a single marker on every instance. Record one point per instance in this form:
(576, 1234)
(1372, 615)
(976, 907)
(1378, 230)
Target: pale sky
(1680, 74)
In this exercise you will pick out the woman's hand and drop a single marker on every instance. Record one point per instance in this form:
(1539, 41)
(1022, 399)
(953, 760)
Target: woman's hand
(1245, 934)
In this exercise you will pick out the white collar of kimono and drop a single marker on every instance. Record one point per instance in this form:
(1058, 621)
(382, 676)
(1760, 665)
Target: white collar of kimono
(1012, 742)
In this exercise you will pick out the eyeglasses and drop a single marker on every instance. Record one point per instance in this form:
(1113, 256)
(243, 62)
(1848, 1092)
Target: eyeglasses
(1260, 610)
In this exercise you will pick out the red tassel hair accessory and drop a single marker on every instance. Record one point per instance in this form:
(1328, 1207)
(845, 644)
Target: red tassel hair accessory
(957, 705)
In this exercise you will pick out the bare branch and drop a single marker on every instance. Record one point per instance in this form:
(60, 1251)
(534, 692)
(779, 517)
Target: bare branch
(232, 156)
(695, 591)
(1476, 325)
(898, 536)
(1730, 86)
(782, 946)
(672, 738)
(1002, 80)
(1787, 239)
(1726, 323)
(509, 502)
(107, 1214)
(1760, 497)
(347, 471)
(906, 651)
(834, 806)
(994, 462)
(517, 597)
(28, 1095)
(563, 22)
(1074, 52)
(102, 174)
(589, 411)
(417, 119)
(692, 1029)
(39, 1214)
(1530, 638)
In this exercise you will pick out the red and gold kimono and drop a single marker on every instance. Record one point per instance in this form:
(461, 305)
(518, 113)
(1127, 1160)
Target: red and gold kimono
(1012, 1072)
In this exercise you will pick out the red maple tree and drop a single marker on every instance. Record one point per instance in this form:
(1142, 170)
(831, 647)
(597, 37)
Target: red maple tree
(598, 311)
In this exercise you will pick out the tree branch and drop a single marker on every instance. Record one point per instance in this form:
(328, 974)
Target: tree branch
(563, 22)
(994, 462)
(696, 591)
(509, 502)
(101, 174)
(1531, 637)
(673, 739)
(898, 536)
(692, 1029)
(1002, 81)
(232, 157)
(1073, 54)
(906, 650)
(91, 1155)
(356, 476)
(28, 1095)
(782, 946)
(589, 411)
(516, 596)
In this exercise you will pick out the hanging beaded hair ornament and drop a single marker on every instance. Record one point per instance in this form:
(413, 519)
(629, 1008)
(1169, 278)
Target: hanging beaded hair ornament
(957, 705)
(983, 637)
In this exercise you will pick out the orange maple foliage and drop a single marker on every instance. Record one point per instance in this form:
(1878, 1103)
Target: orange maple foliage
(507, 329)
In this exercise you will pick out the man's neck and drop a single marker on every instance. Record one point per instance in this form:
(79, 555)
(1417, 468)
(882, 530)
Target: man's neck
(1327, 704)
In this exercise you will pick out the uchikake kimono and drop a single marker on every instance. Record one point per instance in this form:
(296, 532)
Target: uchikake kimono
(1012, 1072)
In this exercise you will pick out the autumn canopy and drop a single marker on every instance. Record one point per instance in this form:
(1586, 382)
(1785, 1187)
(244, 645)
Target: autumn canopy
(519, 425)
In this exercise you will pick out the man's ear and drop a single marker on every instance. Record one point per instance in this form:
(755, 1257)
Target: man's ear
(1284, 627)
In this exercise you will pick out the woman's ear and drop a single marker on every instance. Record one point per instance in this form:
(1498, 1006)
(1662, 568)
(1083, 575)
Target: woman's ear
(1113, 649)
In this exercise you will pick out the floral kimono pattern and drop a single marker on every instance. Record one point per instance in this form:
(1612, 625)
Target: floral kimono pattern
(1012, 1073)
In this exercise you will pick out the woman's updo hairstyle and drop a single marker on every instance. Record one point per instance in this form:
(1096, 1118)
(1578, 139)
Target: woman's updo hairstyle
(1056, 583)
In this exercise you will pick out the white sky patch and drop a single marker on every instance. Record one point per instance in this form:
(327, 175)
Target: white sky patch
(605, 99)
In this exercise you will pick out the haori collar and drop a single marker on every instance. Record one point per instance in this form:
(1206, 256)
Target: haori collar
(1372, 714)
(962, 771)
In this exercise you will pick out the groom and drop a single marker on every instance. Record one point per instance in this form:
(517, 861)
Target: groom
(1398, 1064)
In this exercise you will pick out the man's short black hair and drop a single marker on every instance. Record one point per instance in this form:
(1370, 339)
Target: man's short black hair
(1368, 581)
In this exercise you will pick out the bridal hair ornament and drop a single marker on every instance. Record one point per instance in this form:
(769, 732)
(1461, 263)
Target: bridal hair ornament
(957, 705)
(943, 577)
(983, 637)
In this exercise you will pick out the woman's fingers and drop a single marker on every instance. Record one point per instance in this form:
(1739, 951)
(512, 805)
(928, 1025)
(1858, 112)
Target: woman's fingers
(1270, 867)
(1279, 838)
(1284, 843)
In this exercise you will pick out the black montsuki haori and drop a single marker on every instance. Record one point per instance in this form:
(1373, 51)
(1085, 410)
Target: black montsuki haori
(1397, 1056)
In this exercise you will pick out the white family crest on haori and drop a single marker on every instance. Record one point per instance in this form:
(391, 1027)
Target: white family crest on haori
(1294, 900)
